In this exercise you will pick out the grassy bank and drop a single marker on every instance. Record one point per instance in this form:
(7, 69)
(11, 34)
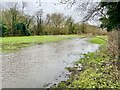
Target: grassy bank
(95, 70)
(10, 44)
(99, 40)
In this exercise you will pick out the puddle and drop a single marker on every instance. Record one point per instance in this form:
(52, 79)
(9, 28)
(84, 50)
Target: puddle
(43, 65)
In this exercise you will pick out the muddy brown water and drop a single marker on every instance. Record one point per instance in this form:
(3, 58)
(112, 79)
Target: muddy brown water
(43, 65)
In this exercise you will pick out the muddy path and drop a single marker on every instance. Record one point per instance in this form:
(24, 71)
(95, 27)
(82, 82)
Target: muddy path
(41, 65)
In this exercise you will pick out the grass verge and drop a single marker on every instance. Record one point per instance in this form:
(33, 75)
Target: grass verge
(95, 70)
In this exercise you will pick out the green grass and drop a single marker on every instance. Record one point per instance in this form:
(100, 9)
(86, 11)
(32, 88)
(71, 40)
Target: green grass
(95, 73)
(98, 40)
(98, 70)
(10, 44)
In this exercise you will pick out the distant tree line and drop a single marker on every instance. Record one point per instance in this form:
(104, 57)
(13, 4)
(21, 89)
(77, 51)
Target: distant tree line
(15, 22)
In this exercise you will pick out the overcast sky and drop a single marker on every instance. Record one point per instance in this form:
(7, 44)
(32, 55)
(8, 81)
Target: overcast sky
(51, 6)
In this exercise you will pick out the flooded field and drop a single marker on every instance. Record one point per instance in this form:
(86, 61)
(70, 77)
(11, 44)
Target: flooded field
(44, 64)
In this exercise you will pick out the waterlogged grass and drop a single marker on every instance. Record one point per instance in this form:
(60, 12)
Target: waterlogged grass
(99, 40)
(10, 44)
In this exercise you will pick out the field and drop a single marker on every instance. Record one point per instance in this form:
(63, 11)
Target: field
(10, 44)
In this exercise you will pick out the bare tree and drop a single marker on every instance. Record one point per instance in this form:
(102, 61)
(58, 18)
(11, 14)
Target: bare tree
(12, 14)
(88, 8)
(38, 17)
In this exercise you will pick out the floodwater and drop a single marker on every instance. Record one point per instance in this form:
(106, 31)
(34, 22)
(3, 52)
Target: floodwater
(43, 65)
